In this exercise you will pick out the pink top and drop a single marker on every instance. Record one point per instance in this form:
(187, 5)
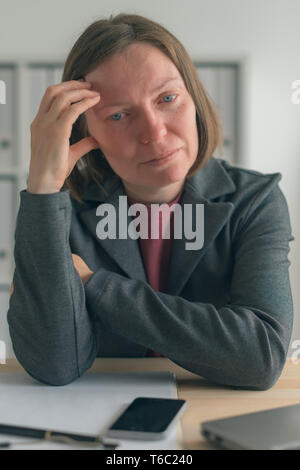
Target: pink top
(157, 252)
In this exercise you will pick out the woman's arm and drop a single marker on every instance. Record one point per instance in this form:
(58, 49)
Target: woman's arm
(244, 343)
(52, 334)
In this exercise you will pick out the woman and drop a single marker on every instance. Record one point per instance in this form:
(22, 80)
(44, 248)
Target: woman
(141, 126)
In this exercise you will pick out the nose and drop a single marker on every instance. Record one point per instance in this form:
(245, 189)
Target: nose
(152, 127)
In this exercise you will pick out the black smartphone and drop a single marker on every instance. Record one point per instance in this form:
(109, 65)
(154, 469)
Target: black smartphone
(147, 418)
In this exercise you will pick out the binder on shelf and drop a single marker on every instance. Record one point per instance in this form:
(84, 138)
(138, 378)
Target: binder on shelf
(57, 74)
(209, 79)
(7, 124)
(40, 77)
(6, 230)
(227, 101)
(2, 92)
(6, 349)
(38, 82)
(221, 83)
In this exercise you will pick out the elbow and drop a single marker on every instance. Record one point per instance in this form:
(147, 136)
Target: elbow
(263, 360)
(266, 378)
(56, 358)
(45, 372)
(261, 382)
(53, 380)
(270, 360)
(256, 369)
(54, 367)
(251, 376)
(49, 366)
(262, 370)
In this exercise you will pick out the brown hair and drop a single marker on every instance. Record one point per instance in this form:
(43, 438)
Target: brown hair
(106, 37)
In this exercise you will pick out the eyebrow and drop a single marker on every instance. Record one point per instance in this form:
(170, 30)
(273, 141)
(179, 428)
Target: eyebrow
(159, 87)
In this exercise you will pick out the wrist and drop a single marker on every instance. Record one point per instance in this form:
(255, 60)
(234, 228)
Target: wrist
(41, 189)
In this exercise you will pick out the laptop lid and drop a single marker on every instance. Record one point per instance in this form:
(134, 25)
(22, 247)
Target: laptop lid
(275, 429)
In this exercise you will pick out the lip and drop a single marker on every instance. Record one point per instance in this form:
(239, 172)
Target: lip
(161, 159)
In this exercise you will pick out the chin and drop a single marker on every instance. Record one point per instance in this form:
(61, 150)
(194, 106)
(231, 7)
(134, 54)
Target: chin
(171, 175)
(162, 182)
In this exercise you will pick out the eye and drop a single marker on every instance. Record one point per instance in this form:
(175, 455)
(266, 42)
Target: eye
(117, 116)
(168, 96)
(114, 117)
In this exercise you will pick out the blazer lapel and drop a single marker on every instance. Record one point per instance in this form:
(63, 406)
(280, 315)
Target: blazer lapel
(184, 261)
(126, 253)
(210, 182)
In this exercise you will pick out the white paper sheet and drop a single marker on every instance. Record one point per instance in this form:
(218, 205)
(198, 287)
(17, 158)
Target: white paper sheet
(87, 406)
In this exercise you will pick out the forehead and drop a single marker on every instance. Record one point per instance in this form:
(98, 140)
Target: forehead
(139, 66)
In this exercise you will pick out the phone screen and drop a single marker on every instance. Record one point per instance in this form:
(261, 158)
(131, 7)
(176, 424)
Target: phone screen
(148, 415)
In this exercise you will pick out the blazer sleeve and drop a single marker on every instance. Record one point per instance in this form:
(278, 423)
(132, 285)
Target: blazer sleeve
(52, 334)
(241, 344)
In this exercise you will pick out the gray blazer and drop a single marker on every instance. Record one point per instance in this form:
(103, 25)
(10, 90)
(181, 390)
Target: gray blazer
(227, 313)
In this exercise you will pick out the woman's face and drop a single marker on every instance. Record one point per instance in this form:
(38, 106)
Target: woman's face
(144, 112)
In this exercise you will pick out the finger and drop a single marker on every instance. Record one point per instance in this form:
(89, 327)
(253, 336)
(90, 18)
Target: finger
(53, 90)
(75, 260)
(81, 148)
(73, 112)
(11, 290)
(67, 98)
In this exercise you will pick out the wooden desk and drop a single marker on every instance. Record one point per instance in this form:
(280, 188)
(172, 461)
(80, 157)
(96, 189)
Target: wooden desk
(204, 400)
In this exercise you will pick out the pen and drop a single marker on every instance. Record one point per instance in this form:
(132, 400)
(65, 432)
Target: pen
(57, 436)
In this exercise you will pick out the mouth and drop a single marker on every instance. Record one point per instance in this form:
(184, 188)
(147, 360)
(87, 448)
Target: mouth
(159, 159)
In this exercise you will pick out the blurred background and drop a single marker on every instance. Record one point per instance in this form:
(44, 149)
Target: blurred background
(247, 53)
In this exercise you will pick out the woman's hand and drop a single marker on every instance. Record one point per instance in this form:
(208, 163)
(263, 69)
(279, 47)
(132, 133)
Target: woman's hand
(52, 157)
(81, 267)
(11, 290)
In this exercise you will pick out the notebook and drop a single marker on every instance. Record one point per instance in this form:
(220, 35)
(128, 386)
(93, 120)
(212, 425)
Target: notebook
(85, 406)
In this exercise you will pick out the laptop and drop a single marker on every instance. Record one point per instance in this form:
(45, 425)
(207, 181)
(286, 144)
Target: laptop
(275, 429)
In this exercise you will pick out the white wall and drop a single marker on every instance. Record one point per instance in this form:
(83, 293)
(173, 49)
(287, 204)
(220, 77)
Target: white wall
(264, 33)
